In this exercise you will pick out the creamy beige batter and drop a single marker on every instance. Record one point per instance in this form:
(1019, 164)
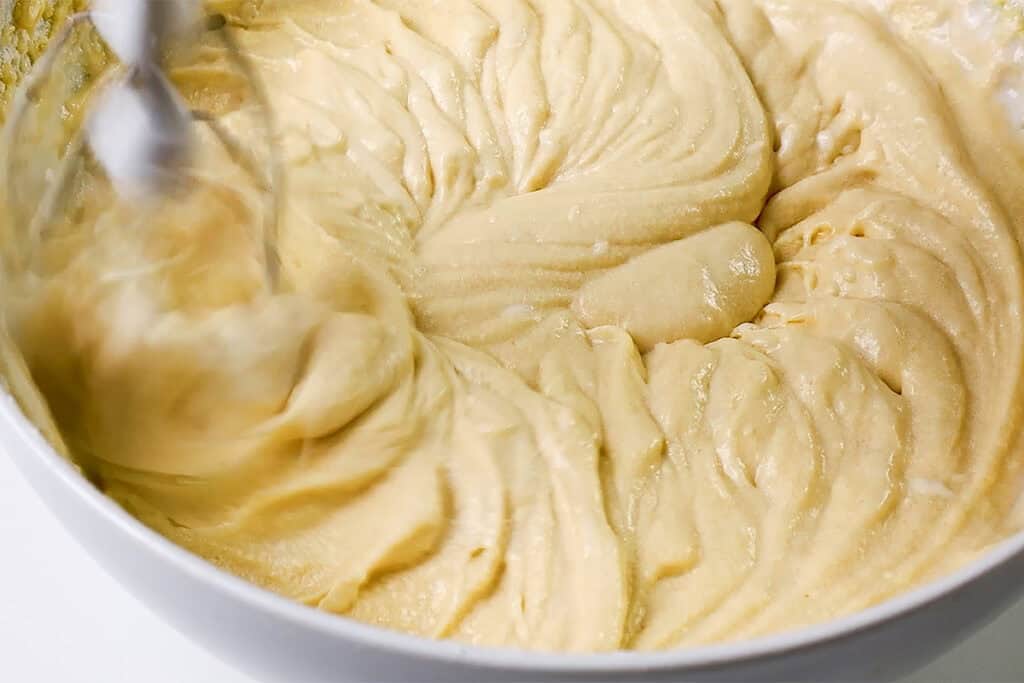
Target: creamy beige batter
(606, 324)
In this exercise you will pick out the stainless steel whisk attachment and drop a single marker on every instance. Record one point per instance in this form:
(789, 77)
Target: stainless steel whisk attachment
(138, 127)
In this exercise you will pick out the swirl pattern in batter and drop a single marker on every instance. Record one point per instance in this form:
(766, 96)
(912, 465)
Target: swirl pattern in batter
(608, 323)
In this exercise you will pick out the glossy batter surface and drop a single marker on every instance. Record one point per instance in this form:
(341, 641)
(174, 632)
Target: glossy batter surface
(605, 324)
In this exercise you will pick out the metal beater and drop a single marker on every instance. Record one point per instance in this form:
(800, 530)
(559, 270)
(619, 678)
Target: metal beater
(139, 128)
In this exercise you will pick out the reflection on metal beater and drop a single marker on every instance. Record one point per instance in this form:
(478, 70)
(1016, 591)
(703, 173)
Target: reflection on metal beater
(140, 129)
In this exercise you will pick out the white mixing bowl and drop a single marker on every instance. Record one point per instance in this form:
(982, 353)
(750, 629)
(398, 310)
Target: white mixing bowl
(275, 639)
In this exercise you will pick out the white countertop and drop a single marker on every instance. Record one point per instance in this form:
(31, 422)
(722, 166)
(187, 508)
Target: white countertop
(62, 620)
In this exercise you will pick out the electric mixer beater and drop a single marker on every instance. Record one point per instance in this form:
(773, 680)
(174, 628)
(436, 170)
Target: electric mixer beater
(138, 128)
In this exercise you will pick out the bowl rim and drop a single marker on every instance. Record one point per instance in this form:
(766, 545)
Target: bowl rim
(455, 653)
